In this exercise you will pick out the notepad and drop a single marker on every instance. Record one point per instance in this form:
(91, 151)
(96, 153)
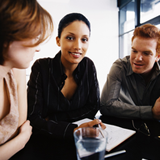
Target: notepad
(116, 135)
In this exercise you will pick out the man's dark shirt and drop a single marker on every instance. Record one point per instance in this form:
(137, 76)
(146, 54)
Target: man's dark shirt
(126, 94)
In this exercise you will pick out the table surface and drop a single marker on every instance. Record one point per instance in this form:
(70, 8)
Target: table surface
(138, 146)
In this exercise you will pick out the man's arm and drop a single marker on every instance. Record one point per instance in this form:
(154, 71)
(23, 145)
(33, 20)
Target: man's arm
(112, 105)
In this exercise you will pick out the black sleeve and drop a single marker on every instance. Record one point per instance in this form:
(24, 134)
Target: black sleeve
(37, 88)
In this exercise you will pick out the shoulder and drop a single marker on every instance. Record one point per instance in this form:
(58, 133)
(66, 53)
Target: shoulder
(42, 61)
(88, 60)
(120, 66)
(41, 65)
(122, 63)
(88, 63)
(45, 62)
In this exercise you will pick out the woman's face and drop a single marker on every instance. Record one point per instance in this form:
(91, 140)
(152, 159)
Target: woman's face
(74, 42)
(19, 56)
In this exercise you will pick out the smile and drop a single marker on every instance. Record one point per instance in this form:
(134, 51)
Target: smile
(75, 53)
(138, 64)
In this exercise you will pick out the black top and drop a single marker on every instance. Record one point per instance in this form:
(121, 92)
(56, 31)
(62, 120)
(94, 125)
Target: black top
(45, 98)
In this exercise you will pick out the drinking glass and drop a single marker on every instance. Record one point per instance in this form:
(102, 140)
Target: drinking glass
(90, 143)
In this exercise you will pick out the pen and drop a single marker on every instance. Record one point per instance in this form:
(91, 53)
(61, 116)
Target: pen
(114, 153)
(100, 129)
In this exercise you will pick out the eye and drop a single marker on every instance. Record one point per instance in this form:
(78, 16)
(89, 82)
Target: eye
(70, 38)
(134, 51)
(84, 39)
(147, 53)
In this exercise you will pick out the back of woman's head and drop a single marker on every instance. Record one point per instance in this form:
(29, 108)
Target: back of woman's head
(148, 31)
(69, 18)
(22, 20)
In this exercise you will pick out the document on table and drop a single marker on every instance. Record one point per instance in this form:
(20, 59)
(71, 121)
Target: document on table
(116, 135)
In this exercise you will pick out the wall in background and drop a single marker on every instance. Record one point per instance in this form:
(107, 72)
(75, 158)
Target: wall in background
(103, 16)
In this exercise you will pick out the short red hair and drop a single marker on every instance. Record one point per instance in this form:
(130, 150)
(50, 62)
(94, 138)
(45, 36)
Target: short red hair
(148, 31)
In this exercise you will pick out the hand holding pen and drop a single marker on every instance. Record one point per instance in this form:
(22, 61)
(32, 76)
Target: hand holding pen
(91, 124)
(101, 128)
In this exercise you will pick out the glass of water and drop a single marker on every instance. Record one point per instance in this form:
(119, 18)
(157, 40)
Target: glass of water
(90, 143)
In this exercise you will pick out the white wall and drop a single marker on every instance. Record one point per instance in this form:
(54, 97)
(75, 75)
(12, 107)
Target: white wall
(103, 16)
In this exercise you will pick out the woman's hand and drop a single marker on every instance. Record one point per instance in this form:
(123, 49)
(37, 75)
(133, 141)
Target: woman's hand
(25, 131)
(8, 149)
(91, 124)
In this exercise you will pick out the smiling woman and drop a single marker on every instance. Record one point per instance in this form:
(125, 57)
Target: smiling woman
(62, 90)
(74, 42)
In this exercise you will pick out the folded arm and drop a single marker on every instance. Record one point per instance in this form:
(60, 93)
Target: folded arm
(8, 149)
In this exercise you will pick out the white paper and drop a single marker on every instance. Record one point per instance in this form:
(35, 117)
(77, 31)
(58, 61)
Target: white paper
(116, 135)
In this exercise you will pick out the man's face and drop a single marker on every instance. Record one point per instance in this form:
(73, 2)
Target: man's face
(143, 55)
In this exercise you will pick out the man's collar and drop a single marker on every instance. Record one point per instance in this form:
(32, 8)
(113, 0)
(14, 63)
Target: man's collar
(158, 65)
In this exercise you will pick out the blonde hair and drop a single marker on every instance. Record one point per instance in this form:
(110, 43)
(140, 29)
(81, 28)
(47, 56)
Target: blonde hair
(22, 20)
